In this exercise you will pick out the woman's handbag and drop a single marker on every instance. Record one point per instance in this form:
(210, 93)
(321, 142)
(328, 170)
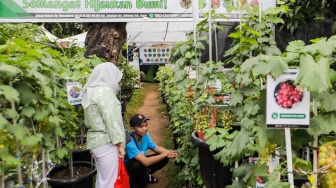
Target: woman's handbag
(123, 178)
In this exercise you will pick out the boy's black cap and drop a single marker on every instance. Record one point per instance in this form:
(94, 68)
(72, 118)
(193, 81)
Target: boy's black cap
(137, 119)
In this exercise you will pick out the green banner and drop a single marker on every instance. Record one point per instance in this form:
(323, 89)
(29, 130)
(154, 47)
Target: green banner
(9, 9)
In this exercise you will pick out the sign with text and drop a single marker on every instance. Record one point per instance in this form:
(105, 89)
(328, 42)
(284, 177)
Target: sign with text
(155, 54)
(74, 91)
(287, 103)
(86, 10)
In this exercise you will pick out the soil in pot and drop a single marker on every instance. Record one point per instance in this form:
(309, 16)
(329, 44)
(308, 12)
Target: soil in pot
(78, 171)
(83, 172)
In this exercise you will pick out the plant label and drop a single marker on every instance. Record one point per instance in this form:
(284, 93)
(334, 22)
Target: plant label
(287, 102)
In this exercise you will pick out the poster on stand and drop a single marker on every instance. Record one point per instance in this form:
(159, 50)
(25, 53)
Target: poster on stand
(155, 54)
(74, 91)
(288, 104)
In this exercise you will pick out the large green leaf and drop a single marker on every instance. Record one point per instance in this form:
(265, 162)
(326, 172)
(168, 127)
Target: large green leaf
(9, 70)
(20, 131)
(250, 108)
(27, 111)
(33, 139)
(323, 123)
(295, 46)
(10, 113)
(322, 46)
(26, 94)
(328, 102)
(239, 143)
(314, 75)
(9, 93)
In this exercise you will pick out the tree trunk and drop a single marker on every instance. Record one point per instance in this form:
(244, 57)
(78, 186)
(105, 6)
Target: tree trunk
(105, 40)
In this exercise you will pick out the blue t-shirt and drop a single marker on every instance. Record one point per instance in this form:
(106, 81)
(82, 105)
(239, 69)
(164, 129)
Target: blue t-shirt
(134, 148)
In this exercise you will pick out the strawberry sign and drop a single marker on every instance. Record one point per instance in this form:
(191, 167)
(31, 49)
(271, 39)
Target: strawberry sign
(287, 103)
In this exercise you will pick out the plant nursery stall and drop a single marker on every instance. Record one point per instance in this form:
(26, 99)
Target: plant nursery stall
(259, 123)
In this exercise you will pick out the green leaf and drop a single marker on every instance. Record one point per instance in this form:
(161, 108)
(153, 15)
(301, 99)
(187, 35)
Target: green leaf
(54, 120)
(301, 164)
(9, 93)
(19, 131)
(247, 123)
(236, 98)
(9, 70)
(239, 143)
(41, 114)
(322, 46)
(250, 108)
(62, 152)
(27, 111)
(180, 74)
(3, 121)
(26, 94)
(190, 55)
(242, 170)
(11, 113)
(33, 139)
(328, 102)
(243, 78)
(322, 123)
(262, 136)
(184, 48)
(181, 61)
(295, 46)
(48, 92)
(10, 160)
(314, 75)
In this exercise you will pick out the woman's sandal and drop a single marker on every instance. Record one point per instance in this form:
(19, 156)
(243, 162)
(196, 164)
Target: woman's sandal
(152, 179)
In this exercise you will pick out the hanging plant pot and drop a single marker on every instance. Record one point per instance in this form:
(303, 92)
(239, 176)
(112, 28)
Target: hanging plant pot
(213, 173)
(60, 176)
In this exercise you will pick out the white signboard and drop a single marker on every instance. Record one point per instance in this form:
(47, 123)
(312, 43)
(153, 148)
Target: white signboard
(118, 10)
(74, 91)
(155, 54)
(287, 104)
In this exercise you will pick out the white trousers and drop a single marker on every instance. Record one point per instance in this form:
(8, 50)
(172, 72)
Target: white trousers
(106, 158)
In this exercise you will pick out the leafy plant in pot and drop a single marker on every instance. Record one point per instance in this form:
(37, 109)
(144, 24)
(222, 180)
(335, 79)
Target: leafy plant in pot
(79, 169)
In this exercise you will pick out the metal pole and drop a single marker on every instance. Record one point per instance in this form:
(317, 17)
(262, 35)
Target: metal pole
(210, 34)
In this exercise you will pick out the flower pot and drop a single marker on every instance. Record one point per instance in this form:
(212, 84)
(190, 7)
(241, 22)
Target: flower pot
(213, 173)
(84, 181)
(81, 155)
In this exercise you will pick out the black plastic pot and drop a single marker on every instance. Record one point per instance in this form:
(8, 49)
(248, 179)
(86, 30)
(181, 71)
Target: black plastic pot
(81, 155)
(213, 173)
(85, 181)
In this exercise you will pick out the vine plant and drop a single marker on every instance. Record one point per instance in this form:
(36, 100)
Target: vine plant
(33, 103)
(254, 56)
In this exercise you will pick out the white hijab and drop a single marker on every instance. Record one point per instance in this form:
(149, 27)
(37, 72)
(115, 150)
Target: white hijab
(106, 74)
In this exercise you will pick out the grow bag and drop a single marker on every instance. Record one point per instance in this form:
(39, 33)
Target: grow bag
(213, 173)
(85, 181)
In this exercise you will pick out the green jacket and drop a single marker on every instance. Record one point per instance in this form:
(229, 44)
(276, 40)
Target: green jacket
(103, 118)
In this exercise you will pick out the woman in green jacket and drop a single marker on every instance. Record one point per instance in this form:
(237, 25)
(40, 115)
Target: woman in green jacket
(106, 133)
